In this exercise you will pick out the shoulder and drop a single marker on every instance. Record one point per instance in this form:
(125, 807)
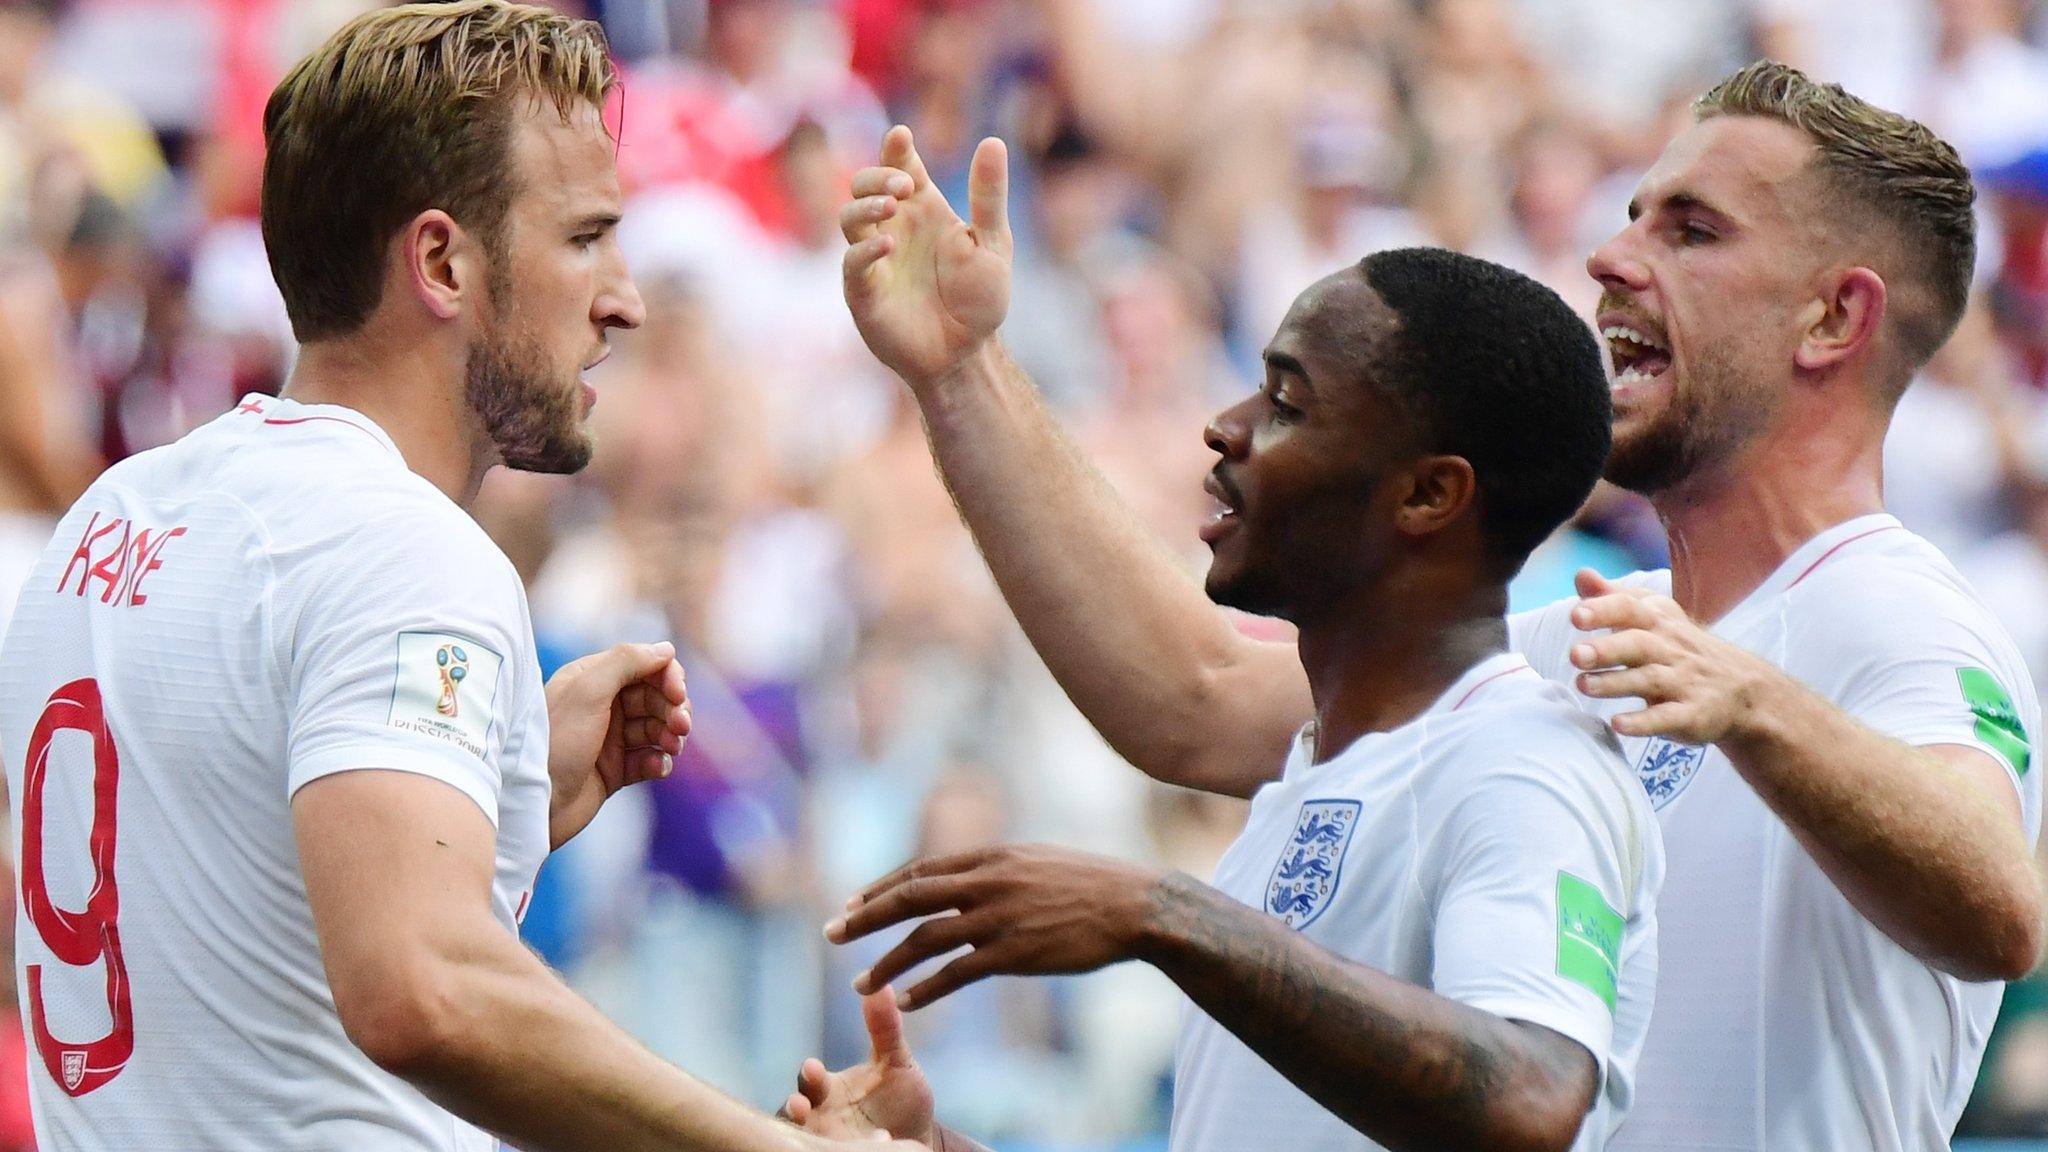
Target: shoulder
(1531, 737)
(1896, 595)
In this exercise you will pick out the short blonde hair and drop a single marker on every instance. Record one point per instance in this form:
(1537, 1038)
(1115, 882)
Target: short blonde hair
(1888, 173)
(402, 110)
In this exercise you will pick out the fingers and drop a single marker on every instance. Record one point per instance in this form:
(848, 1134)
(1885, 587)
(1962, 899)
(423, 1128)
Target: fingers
(929, 940)
(1672, 718)
(1626, 649)
(1591, 584)
(861, 257)
(813, 1082)
(988, 191)
(859, 218)
(796, 1110)
(1619, 610)
(644, 764)
(885, 1027)
(953, 977)
(899, 151)
(1654, 682)
(881, 180)
(916, 870)
(657, 703)
(909, 900)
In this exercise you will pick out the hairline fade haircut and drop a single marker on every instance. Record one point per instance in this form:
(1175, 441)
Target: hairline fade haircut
(1891, 174)
(403, 110)
(1496, 368)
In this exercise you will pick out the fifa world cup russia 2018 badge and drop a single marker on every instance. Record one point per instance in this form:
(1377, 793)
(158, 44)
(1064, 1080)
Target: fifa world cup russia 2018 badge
(446, 686)
(452, 664)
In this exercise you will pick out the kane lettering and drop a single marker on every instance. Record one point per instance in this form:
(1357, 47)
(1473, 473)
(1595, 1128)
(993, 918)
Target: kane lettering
(116, 570)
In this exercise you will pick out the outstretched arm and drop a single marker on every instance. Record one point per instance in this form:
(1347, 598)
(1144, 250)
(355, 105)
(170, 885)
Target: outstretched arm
(436, 991)
(1403, 1065)
(1141, 651)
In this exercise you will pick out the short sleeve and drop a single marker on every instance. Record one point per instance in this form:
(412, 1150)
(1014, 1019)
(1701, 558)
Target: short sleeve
(401, 635)
(1544, 636)
(1536, 888)
(1924, 664)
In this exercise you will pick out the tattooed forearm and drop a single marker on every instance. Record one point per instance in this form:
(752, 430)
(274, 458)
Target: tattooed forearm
(1405, 1066)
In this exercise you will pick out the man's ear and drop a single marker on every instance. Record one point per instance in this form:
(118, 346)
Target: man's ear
(1844, 319)
(1441, 489)
(442, 263)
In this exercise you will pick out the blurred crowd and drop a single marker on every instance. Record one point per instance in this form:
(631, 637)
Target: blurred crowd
(762, 493)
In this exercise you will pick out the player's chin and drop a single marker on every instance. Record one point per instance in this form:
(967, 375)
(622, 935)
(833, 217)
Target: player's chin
(567, 452)
(1232, 585)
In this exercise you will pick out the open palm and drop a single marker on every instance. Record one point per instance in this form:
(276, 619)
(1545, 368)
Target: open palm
(926, 289)
(888, 1093)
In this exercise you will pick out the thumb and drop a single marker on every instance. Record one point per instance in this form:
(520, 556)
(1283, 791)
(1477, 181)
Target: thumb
(885, 1027)
(1591, 584)
(622, 664)
(988, 193)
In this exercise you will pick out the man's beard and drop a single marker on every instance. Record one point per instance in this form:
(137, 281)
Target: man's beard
(535, 422)
(1699, 428)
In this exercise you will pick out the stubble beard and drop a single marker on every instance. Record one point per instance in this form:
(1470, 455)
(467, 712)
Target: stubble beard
(1699, 428)
(535, 422)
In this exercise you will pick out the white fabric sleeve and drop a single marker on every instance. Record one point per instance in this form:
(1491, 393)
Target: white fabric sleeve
(1544, 636)
(401, 652)
(1923, 664)
(1532, 902)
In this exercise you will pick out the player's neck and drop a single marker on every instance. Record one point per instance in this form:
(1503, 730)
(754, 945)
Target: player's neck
(1728, 532)
(1375, 669)
(416, 401)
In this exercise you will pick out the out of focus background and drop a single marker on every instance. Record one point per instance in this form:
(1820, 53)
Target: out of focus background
(762, 493)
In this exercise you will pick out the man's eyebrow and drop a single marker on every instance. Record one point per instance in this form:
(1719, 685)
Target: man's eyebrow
(1677, 202)
(597, 222)
(1282, 362)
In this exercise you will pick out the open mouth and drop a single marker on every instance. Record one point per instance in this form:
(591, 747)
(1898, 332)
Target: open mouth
(1639, 356)
(1223, 515)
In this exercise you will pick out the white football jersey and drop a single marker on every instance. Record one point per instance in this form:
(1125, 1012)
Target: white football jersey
(1785, 1019)
(1493, 850)
(218, 622)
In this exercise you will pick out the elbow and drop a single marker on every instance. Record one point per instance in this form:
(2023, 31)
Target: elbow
(402, 1016)
(1543, 1119)
(1992, 942)
(2007, 950)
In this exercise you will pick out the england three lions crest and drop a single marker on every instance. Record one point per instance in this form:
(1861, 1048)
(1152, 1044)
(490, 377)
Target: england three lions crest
(1306, 875)
(1667, 767)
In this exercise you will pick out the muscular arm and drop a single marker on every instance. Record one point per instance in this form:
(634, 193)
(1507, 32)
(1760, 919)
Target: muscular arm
(1399, 1063)
(1131, 637)
(1925, 842)
(435, 990)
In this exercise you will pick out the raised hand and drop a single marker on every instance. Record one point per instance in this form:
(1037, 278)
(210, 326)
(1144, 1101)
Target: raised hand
(614, 718)
(926, 289)
(1021, 910)
(889, 1093)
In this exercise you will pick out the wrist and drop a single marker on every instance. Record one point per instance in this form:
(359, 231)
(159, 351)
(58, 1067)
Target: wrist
(970, 376)
(1757, 724)
(1171, 903)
